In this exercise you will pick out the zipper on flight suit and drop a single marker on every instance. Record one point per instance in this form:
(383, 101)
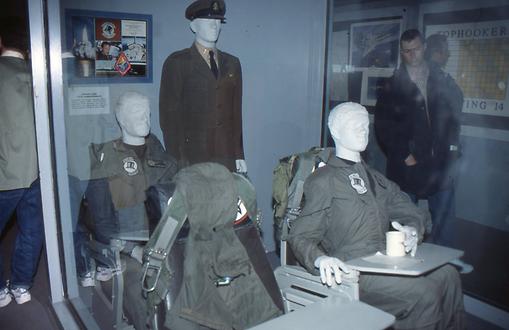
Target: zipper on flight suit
(371, 191)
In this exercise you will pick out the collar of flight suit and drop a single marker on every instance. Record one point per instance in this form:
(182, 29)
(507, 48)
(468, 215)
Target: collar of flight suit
(119, 145)
(335, 161)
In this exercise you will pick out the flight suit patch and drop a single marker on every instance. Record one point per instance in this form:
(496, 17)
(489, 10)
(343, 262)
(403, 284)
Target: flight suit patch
(357, 183)
(130, 166)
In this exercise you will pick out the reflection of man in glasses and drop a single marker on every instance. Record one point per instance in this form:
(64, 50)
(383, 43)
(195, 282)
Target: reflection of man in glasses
(417, 124)
(104, 54)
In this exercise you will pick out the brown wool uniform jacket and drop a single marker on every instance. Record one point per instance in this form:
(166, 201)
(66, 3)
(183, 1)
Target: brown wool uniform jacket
(201, 116)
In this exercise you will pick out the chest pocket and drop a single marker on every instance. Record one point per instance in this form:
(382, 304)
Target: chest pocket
(127, 190)
(195, 93)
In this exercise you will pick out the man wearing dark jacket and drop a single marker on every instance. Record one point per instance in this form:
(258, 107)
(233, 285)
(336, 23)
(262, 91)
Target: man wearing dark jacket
(417, 125)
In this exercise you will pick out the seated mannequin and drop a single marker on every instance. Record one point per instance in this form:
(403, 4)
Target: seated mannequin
(348, 209)
(121, 171)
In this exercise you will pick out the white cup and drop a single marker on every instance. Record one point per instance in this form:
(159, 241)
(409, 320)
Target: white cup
(395, 247)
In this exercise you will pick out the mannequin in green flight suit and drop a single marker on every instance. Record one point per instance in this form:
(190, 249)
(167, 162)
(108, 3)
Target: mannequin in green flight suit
(348, 209)
(121, 171)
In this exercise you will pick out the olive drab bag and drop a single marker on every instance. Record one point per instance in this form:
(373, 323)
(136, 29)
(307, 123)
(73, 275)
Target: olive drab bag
(221, 286)
(288, 189)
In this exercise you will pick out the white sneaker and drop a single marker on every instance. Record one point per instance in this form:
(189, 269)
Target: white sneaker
(88, 279)
(21, 295)
(103, 274)
(5, 297)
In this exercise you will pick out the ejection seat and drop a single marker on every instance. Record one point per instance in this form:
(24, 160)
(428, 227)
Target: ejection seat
(298, 287)
(110, 296)
(148, 303)
(165, 267)
(190, 223)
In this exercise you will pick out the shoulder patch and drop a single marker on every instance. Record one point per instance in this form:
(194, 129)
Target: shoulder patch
(358, 183)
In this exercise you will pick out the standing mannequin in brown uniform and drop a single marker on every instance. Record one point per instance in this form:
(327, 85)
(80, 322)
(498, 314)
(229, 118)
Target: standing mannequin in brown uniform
(200, 102)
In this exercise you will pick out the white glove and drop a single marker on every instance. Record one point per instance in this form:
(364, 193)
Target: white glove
(329, 266)
(411, 237)
(241, 166)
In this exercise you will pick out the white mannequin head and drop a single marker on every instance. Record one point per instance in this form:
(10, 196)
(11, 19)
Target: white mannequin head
(349, 127)
(133, 116)
(206, 31)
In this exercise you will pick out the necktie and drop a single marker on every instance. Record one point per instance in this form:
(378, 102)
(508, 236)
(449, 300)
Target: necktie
(213, 65)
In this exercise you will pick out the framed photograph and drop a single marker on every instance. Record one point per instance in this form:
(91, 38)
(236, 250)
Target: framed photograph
(109, 47)
(372, 82)
(375, 44)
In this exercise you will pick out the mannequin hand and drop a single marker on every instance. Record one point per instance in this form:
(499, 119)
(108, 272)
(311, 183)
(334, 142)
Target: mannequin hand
(241, 166)
(411, 237)
(329, 266)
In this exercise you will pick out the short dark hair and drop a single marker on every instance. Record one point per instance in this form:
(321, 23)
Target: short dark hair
(434, 43)
(410, 35)
(14, 33)
(105, 43)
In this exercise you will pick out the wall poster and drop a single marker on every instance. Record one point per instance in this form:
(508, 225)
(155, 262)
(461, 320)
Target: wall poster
(109, 47)
(375, 44)
(372, 83)
(479, 62)
(374, 52)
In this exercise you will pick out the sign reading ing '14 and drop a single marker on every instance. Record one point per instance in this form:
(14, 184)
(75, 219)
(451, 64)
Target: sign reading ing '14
(479, 63)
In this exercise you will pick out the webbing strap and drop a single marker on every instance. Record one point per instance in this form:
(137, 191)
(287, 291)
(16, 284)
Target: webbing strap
(305, 164)
(167, 235)
(161, 241)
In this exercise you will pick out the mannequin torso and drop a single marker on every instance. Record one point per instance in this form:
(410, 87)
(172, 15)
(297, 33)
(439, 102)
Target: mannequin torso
(201, 115)
(348, 209)
(122, 169)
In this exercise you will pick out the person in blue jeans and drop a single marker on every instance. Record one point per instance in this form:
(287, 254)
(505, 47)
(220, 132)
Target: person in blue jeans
(20, 191)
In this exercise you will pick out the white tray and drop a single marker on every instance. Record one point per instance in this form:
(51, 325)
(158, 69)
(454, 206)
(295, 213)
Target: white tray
(428, 257)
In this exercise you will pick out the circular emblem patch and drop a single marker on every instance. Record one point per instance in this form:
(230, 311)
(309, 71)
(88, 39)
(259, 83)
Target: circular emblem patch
(241, 212)
(130, 166)
(108, 30)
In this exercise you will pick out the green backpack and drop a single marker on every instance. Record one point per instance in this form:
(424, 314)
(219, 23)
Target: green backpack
(288, 187)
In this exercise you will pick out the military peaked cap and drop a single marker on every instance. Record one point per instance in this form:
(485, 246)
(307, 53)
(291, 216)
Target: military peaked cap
(206, 9)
